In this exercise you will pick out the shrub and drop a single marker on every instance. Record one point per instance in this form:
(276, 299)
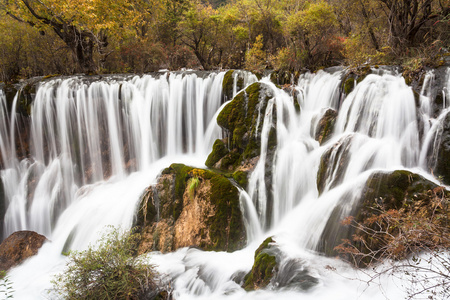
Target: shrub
(6, 289)
(415, 237)
(110, 270)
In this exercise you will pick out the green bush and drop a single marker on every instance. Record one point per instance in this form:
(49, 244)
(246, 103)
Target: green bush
(110, 270)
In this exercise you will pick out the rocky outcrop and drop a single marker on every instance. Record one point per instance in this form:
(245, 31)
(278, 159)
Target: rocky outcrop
(382, 192)
(242, 121)
(191, 207)
(18, 247)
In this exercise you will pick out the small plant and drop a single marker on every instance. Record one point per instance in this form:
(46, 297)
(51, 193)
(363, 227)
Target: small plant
(6, 288)
(193, 184)
(110, 270)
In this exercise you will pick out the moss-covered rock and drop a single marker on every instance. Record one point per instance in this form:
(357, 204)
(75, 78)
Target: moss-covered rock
(242, 121)
(227, 85)
(219, 150)
(275, 270)
(264, 267)
(325, 126)
(190, 207)
(391, 190)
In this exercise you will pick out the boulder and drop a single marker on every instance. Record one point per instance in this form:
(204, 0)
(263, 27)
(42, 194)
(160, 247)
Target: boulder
(191, 207)
(18, 247)
(325, 126)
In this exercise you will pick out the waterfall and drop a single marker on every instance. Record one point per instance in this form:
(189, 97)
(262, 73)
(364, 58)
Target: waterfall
(96, 144)
(83, 133)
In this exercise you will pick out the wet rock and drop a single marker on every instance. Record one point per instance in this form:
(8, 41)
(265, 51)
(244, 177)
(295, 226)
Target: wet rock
(325, 126)
(191, 207)
(333, 164)
(2, 208)
(440, 163)
(18, 247)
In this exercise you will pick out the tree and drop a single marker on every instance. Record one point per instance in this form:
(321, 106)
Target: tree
(407, 17)
(83, 25)
(200, 31)
(312, 34)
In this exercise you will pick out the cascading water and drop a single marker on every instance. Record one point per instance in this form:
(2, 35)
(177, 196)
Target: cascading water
(97, 145)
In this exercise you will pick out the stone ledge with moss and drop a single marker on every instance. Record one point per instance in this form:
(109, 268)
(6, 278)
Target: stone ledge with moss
(242, 121)
(190, 207)
(383, 192)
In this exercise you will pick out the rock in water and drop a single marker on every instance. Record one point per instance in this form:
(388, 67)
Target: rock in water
(18, 247)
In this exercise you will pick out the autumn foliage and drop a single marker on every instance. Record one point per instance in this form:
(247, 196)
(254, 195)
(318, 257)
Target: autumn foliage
(92, 36)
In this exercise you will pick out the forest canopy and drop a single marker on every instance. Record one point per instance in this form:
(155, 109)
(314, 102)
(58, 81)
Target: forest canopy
(41, 37)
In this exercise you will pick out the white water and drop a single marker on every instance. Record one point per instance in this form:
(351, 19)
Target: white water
(171, 118)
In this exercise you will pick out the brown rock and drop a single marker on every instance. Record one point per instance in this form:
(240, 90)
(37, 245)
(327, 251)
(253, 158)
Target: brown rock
(18, 247)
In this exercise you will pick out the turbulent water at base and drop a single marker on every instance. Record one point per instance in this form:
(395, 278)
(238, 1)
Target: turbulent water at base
(96, 145)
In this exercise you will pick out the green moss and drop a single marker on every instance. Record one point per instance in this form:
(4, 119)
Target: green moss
(226, 228)
(240, 83)
(227, 84)
(231, 161)
(263, 269)
(219, 150)
(241, 178)
(349, 85)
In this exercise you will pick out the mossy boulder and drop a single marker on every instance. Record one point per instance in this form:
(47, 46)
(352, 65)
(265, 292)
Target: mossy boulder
(325, 126)
(282, 77)
(264, 267)
(333, 164)
(190, 207)
(441, 165)
(242, 120)
(383, 191)
(275, 270)
(227, 85)
(219, 151)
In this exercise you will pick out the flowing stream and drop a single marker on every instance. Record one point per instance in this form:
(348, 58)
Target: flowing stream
(95, 145)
